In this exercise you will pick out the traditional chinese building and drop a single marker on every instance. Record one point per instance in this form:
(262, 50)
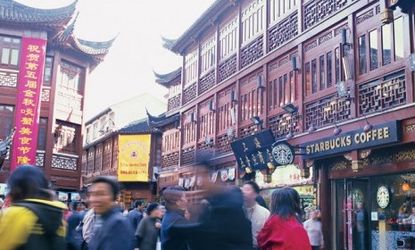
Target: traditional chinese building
(120, 137)
(333, 78)
(43, 71)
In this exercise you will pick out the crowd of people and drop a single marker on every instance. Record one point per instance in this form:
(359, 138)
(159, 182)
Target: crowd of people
(227, 218)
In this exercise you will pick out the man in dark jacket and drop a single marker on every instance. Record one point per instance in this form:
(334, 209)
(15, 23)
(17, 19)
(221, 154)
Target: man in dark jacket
(225, 227)
(74, 236)
(111, 230)
(176, 204)
(33, 221)
(136, 215)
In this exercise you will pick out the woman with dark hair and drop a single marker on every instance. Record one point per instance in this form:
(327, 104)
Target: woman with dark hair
(283, 230)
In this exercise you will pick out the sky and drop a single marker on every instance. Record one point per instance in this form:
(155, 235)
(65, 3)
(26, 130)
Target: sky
(127, 70)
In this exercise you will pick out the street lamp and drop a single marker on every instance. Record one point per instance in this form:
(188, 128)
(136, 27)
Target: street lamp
(257, 121)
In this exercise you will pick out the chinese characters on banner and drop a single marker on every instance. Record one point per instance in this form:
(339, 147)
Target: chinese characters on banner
(31, 66)
(134, 157)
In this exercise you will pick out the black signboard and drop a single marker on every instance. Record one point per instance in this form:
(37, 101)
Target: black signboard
(254, 151)
(381, 134)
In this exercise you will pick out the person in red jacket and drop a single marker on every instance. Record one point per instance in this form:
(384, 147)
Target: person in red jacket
(283, 230)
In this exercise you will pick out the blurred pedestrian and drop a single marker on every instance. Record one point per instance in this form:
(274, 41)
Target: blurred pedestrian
(283, 230)
(176, 205)
(111, 230)
(257, 214)
(1, 203)
(223, 224)
(33, 221)
(148, 229)
(74, 237)
(136, 215)
(314, 230)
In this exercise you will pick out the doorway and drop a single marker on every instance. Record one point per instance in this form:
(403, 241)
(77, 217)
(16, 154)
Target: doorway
(351, 198)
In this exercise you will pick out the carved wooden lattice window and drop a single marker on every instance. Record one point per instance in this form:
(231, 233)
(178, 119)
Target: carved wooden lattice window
(91, 160)
(10, 50)
(228, 36)
(206, 121)
(323, 61)
(251, 98)
(189, 127)
(326, 111)
(208, 54)
(98, 158)
(190, 70)
(282, 84)
(106, 162)
(280, 8)
(66, 138)
(378, 44)
(317, 10)
(226, 110)
(69, 78)
(171, 139)
(252, 20)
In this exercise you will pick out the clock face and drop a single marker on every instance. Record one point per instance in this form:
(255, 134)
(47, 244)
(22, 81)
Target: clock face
(383, 196)
(283, 154)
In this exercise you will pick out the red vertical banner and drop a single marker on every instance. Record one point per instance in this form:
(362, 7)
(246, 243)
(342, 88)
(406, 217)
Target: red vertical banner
(31, 68)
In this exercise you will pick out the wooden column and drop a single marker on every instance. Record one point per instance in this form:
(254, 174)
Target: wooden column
(353, 54)
(265, 82)
(325, 204)
(266, 26)
(239, 37)
(217, 54)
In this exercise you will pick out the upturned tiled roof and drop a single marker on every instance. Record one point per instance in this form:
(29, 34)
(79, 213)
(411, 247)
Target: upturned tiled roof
(166, 79)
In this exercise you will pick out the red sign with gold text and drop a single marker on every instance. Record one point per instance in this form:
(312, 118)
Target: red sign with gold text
(31, 67)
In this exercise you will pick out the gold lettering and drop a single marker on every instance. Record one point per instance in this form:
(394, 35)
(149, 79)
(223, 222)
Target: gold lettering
(321, 146)
(369, 136)
(337, 142)
(317, 149)
(332, 144)
(308, 149)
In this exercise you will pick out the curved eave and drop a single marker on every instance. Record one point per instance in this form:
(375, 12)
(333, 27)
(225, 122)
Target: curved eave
(162, 120)
(92, 48)
(166, 79)
(17, 13)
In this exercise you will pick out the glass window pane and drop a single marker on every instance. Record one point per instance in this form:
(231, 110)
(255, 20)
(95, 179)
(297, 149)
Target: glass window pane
(322, 73)
(337, 65)
(362, 55)
(5, 56)
(14, 57)
(329, 68)
(373, 36)
(314, 75)
(307, 78)
(386, 43)
(398, 36)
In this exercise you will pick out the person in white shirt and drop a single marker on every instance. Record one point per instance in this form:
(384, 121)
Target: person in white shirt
(314, 230)
(257, 214)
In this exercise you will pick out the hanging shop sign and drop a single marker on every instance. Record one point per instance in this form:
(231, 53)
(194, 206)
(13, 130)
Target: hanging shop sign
(134, 157)
(381, 134)
(283, 153)
(255, 151)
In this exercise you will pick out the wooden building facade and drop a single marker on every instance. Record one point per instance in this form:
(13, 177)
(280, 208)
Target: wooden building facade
(344, 67)
(68, 62)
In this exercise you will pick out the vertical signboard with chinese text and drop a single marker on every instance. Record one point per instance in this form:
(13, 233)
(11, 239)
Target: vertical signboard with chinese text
(31, 68)
(133, 157)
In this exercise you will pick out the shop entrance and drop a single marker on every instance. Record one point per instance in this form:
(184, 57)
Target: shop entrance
(352, 222)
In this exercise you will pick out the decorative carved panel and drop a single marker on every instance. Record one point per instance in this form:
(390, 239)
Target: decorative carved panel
(283, 31)
(8, 78)
(40, 159)
(174, 102)
(310, 45)
(188, 155)
(189, 93)
(326, 37)
(385, 156)
(223, 144)
(45, 97)
(227, 68)
(252, 52)
(327, 111)
(64, 162)
(207, 82)
(365, 16)
(169, 160)
(281, 124)
(317, 10)
(247, 131)
(380, 95)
